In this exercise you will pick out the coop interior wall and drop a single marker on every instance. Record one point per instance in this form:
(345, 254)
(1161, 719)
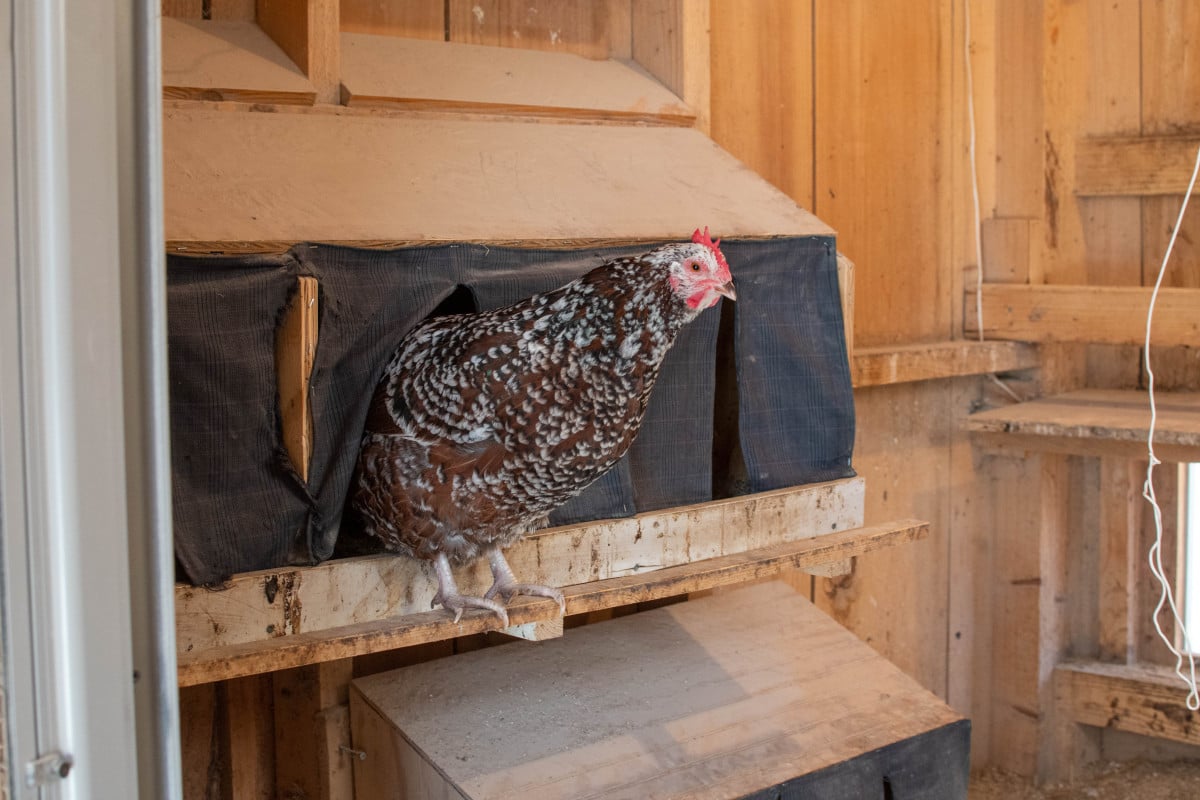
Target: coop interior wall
(858, 110)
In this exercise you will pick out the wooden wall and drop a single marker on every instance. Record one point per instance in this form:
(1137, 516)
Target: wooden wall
(858, 109)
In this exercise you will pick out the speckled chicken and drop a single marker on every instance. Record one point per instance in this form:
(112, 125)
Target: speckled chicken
(482, 424)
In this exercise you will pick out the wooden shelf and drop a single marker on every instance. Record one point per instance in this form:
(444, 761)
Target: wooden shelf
(228, 60)
(336, 175)
(1142, 699)
(1099, 314)
(416, 74)
(881, 366)
(1134, 166)
(1096, 422)
(282, 652)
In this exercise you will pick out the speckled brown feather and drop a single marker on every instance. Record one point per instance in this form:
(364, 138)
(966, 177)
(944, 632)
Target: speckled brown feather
(484, 423)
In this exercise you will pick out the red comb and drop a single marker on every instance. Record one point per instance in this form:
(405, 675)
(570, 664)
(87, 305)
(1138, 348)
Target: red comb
(706, 240)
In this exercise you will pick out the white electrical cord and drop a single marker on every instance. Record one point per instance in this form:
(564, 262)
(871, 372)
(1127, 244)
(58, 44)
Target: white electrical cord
(1167, 596)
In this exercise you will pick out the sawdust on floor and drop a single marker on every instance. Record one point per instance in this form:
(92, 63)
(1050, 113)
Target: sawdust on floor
(1140, 780)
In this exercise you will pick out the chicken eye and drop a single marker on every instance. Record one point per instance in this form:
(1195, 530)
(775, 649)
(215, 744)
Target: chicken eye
(695, 266)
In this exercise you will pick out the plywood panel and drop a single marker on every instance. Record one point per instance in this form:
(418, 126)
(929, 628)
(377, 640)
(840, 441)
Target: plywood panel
(762, 89)
(411, 74)
(414, 19)
(878, 181)
(351, 178)
(557, 25)
(213, 60)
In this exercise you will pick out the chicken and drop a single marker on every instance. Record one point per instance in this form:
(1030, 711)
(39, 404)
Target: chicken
(482, 424)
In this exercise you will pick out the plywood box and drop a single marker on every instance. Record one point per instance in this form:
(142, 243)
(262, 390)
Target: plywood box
(749, 693)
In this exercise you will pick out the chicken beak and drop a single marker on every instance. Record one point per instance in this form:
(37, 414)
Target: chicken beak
(727, 291)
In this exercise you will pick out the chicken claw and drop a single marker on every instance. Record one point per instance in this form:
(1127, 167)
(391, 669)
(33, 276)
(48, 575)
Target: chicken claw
(448, 597)
(505, 583)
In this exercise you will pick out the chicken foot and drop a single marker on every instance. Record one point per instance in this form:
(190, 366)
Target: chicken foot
(505, 582)
(448, 597)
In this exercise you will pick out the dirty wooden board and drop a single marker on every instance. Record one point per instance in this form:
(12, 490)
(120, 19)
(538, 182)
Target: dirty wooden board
(1110, 420)
(1135, 165)
(339, 177)
(221, 663)
(263, 605)
(415, 74)
(702, 700)
(224, 60)
(1143, 699)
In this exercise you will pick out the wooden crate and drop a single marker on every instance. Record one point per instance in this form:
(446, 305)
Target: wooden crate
(701, 700)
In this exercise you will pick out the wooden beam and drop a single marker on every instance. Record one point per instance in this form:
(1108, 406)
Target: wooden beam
(1120, 516)
(882, 366)
(284, 652)
(1097, 314)
(295, 347)
(312, 721)
(388, 71)
(1141, 699)
(1135, 165)
(1099, 421)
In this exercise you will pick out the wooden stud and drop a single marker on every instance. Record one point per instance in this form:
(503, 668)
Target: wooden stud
(295, 348)
(311, 723)
(308, 31)
(251, 738)
(1120, 520)
(845, 271)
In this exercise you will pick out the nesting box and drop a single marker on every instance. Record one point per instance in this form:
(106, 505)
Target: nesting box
(752, 693)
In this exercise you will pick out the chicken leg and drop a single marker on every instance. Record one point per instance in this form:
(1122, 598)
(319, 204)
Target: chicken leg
(505, 583)
(448, 597)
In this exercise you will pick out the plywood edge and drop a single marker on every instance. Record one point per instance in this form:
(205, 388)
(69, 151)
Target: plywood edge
(882, 366)
(429, 75)
(386, 634)
(1097, 314)
(1134, 166)
(229, 60)
(1143, 699)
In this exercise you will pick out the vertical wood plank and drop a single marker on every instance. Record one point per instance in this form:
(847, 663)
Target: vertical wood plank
(762, 71)
(236, 10)
(555, 25)
(1019, 189)
(413, 19)
(1171, 103)
(878, 183)
(308, 31)
(251, 738)
(200, 740)
(295, 347)
(1166, 489)
(671, 42)
(1120, 517)
(309, 730)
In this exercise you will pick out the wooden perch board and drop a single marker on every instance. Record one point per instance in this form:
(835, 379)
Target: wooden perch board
(882, 366)
(1134, 166)
(1099, 314)
(1147, 700)
(258, 606)
(380, 633)
(700, 700)
(353, 177)
(1096, 422)
(226, 60)
(417, 74)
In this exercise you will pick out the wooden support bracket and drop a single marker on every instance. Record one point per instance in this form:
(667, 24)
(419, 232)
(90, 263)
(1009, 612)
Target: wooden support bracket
(1142, 699)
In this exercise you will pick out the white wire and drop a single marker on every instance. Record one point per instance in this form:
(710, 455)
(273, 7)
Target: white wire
(974, 175)
(1167, 596)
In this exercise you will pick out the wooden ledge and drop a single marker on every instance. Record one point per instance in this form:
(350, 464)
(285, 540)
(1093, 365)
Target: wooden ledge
(252, 658)
(1145, 699)
(1095, 422)
(881, 366)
